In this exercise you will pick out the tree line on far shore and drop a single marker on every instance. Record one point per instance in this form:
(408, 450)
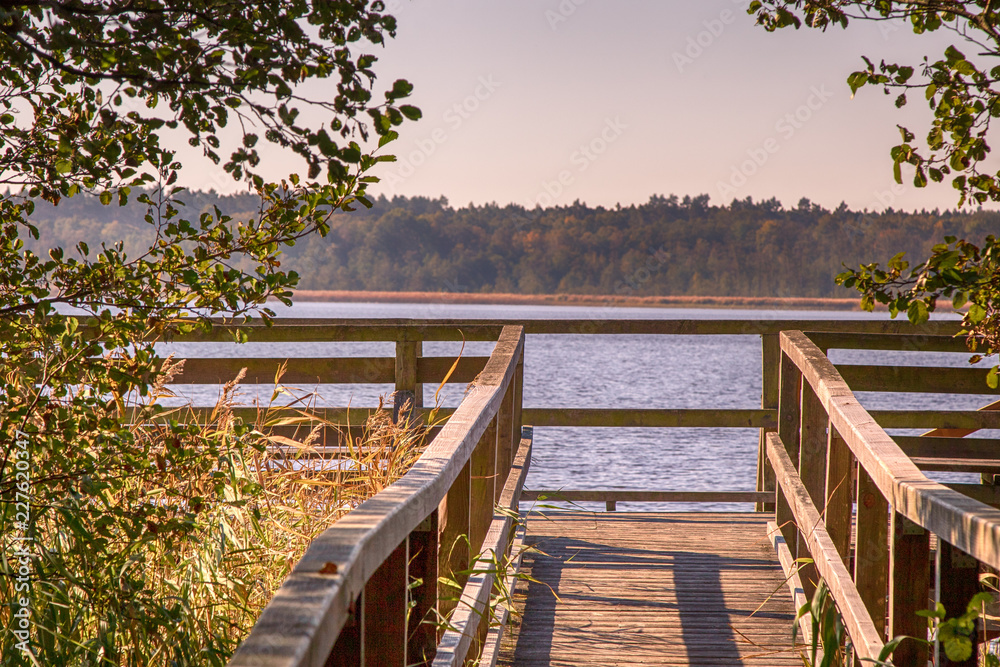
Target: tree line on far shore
(668, 246)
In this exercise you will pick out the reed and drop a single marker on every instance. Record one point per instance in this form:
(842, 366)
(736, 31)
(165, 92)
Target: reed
(175, 565)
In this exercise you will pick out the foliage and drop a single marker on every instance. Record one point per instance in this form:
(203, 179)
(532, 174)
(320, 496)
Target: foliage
(962, 94)
(958, 635)
(831, 645)
(108, 506)
(964, 98)
(965, 274)
(215, 515)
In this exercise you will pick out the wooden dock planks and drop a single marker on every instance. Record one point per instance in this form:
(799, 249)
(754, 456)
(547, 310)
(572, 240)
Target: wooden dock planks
(637, 588)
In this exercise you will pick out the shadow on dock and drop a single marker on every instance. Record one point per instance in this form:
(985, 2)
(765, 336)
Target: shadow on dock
(638, 588)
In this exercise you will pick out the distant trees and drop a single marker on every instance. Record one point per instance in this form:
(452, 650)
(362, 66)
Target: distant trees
(670, 245)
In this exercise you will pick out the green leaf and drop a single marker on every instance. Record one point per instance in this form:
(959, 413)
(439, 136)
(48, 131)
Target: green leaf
(917, 312)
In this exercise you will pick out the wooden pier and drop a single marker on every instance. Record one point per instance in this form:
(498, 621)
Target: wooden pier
(644, 588)
(836, 496)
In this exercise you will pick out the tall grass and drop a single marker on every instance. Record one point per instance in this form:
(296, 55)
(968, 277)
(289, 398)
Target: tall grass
(199, 539)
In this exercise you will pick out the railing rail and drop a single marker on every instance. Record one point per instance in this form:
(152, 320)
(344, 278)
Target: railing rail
(823, 432)
(347, 600)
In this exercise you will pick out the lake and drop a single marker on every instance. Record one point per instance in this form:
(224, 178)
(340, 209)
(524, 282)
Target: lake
(591, 371)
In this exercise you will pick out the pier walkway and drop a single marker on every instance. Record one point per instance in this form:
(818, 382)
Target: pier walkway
(419, 574)
(644, 588)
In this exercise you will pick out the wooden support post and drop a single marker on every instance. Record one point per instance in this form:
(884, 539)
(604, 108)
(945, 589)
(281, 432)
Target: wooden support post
(839, 493)
(610, 505)
(407, 389)
(770, 382)
(790, 392)
(453, 553)
(958, 577)
(484, 477)
(385, 612)
(812, 470)
(506, 441)
(422, 631)
(348, 650)
(518, 383)
(871, 557)
(909, 589)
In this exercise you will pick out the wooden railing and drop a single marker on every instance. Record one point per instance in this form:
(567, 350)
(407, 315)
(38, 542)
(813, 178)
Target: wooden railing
(367, 590)
(830, 455)
(325, 614)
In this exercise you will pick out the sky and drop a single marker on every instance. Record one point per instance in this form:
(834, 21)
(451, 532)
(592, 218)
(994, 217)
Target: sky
(609, 102)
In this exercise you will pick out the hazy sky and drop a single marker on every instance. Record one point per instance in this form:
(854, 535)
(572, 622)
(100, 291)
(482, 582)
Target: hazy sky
(549, 101)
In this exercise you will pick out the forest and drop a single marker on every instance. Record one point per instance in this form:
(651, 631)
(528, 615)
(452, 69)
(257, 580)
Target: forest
(669, 246)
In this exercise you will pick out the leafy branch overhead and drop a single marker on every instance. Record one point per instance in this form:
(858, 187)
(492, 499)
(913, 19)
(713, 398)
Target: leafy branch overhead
(96, 100)
(962, 93)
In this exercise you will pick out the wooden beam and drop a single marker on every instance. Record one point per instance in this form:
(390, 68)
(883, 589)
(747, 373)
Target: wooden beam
(770, 384)
(643, 496)
(876, 341)
(620, 417)
(839, 493)
(916, 379)
(871, 558)
(958, 581)
(945, 419)
(385, 627)
(867, 640)
(909, 589)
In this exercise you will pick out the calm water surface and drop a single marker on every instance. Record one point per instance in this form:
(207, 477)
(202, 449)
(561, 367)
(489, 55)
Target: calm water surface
(605, 371)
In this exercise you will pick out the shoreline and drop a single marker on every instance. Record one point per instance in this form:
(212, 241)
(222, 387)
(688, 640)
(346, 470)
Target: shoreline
(489, 298)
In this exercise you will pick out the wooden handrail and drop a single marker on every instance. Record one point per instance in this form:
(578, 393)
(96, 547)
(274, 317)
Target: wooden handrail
(965, 523)
(822, 430)
(306, 615)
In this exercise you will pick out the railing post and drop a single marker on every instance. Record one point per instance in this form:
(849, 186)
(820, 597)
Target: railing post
(909, 589)
(958, 580)
(790, 391)
(453, 554)
(407, 388)
(348, 650)
(506, 443)
(871, 557)
(770, 348)
(839, 493)
(484, 478)
(385, 630)
(422, 631)
(812, 470)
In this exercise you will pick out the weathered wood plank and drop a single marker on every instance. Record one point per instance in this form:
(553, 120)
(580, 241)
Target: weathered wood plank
(303, 619)
(643, 496)
(651, 588)
(623, 417)
(389, 329)
(916, 379)
(829, 564)
(951, 448)
(385, 626)
(839, 494)
(958, 580)
(770, 360)
(871, 558)
(970, 420)
(462, 642)
(876, 341)
(423, 592)
(909, 589)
